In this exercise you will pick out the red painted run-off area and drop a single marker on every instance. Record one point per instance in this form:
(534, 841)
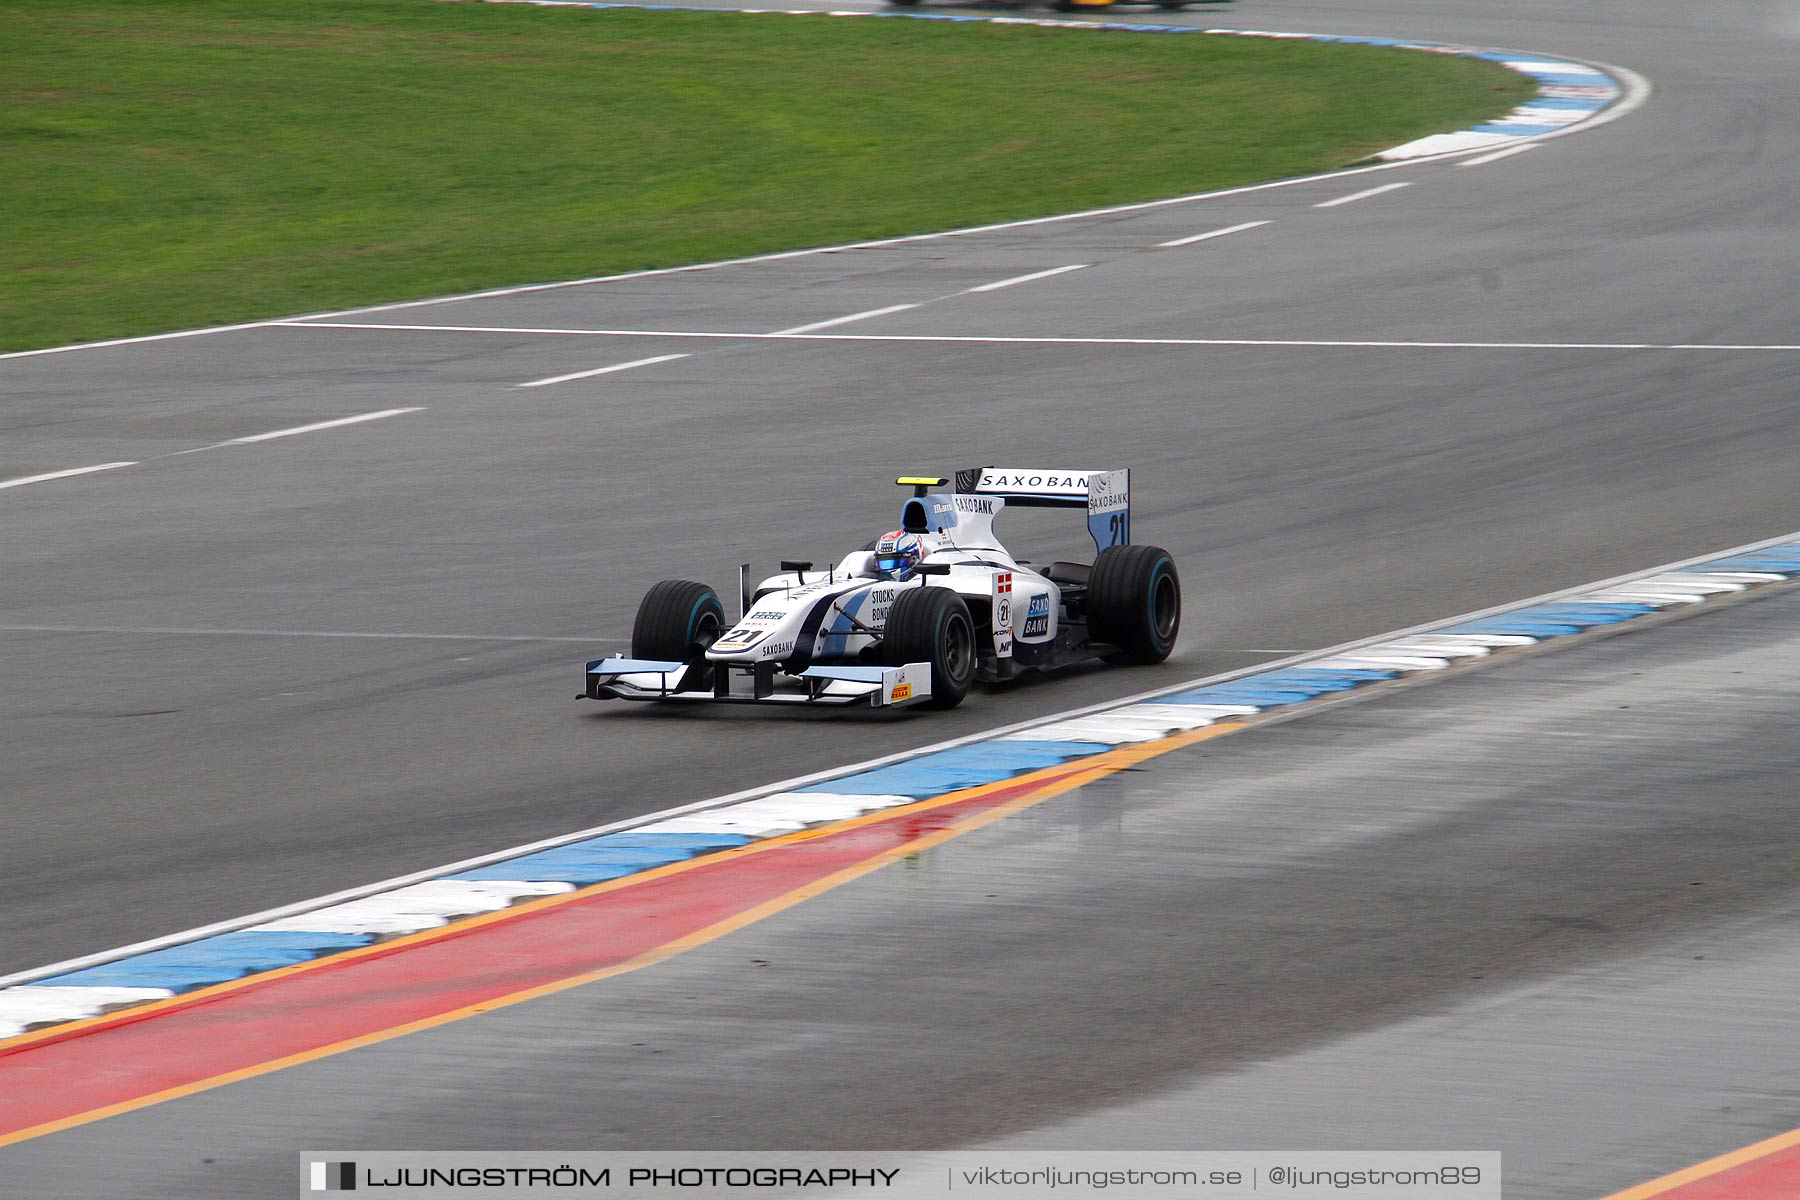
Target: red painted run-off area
(1774, 1176)
(133, 1056)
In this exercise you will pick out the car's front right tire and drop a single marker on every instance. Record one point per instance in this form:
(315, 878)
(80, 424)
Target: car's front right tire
(933, 625)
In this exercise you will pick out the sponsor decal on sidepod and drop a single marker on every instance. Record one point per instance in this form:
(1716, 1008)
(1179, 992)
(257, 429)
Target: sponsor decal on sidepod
(1037, 616)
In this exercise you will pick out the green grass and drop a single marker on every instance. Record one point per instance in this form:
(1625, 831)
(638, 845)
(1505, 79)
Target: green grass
(176, 163)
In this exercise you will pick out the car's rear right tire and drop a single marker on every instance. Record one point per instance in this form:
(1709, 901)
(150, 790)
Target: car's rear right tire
(933, 625)
(1134, 603)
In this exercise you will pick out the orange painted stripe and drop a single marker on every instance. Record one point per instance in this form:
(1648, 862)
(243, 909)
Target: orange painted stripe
(1732, 1175)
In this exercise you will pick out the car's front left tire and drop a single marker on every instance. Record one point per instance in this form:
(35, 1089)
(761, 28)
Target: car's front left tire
(677, 620)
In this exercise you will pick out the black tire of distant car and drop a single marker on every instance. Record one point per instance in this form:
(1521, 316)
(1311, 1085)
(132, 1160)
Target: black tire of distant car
(677, 621)
(933, 625)
(1134, 603)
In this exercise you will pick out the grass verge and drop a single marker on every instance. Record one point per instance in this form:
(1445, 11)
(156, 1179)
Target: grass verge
(178, 163)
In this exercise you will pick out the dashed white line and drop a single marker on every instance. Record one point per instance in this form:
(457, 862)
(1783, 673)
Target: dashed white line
(624, 366)
(861, 316)
(1497, 155)
(45, 478)
(1216, 233)
(1363, 195)
(1018, 279)
(255, 437)
(318, 425)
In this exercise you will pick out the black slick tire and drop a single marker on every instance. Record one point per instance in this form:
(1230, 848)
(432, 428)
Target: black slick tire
(933, 625)
(1134, 603)
(677, 621)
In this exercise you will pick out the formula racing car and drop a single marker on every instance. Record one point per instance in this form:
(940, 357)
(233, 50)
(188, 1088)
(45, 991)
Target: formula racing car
(919, 614)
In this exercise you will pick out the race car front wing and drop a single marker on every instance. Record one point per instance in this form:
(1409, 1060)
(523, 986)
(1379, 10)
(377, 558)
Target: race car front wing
(621, 678)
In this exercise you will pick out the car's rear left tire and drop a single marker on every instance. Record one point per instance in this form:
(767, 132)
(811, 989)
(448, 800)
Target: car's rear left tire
(933, 625)
(1134, 603)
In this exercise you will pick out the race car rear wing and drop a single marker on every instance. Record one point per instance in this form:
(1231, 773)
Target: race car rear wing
(1105, 494)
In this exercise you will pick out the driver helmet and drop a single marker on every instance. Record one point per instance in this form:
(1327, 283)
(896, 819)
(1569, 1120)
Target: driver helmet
(898, 554)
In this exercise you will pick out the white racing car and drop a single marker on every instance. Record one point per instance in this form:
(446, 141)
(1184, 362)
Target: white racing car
(919, 614)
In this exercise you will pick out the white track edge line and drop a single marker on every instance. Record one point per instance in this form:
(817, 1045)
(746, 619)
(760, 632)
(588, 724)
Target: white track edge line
(1028, 340)
(785, 785)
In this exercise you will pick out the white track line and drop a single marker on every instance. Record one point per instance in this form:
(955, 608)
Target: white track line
(1321, 343)
(1202, 237)
(861, 316)
(318, 425)
(624, 366)
(1018, 279)
(153, 631)
(1497, 155)
(1362, 195)
(25, 479)
(788, 785)
(1302, 343)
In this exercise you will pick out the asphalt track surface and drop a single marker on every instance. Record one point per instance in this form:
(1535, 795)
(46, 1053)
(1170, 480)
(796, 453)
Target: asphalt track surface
(158, 780)
(181, 748)
(1539, 908)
